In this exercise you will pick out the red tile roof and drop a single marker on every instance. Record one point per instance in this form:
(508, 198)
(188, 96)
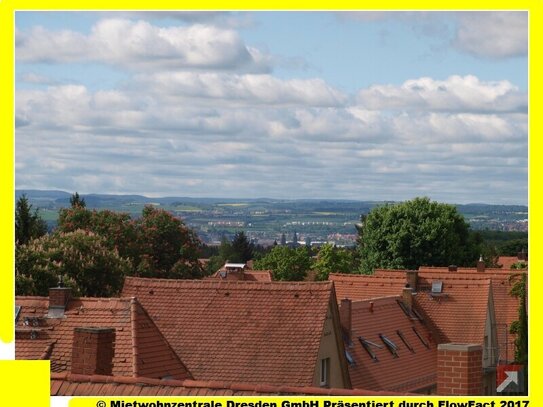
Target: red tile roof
(505, 305)
(459, 313)
(140, 348)
(363, 287)
(411, 370)
(246, 275)
(37, 349)
(462, 270)
(64, 384)
(240, 331)
(507, 261)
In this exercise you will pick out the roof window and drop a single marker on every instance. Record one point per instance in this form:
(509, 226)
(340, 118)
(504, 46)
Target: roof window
(437, 287)
(404, 340)
(421, 338)
(350, 358)
(367, 346)
(391, 346)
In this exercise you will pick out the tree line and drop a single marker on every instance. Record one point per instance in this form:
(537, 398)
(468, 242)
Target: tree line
(92, 250)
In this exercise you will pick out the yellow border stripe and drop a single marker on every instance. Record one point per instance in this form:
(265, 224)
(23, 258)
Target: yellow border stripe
(28, 376)
(535, 169)
(7, 228)
(25, 383)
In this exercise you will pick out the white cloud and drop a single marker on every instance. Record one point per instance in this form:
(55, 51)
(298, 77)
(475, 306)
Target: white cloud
(493, 34)
(278, 139)
(241, 89)
(140, 45)
(455, 94)
(36, 79)
(485, 34)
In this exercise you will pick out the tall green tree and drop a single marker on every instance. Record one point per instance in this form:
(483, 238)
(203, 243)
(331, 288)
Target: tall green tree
(242, 248)
(164, 242)
(224, 254)
(81, 258)
(76, 201)
(286, 263)
(157, 243)
(414, 233)
(28, 224)
(331, 259)
(117, 228)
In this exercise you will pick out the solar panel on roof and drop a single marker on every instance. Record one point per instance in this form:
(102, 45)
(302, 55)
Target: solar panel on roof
(17, 312)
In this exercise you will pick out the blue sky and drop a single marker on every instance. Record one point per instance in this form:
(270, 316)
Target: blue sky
(355, 105)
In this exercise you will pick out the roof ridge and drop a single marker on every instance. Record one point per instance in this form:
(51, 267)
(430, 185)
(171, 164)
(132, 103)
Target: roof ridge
(104, 299)
(188, 383)
(474, 282)
(384, 300)
(31, 297)
(367, 276)
(231, 284)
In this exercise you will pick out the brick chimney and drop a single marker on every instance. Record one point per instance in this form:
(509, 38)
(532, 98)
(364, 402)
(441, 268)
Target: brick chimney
(453, 268)
(412, 278)
(58, 299)
(407, 298)
(459, 369)
(481, 265)
(93, 350)
(345, 311)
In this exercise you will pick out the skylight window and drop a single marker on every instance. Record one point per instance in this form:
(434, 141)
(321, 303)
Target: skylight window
(350, 358)
(391, 346)
(437, 287)
(410, 313)
(424, 342)
(404, 340)
(367, 346)
(404, 308)
(416, 314)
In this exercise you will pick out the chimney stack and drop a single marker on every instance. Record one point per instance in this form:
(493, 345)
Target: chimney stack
(453, 268)
(459, 369)
(407, 298)
(412, 279)
(345, 310)
(93, 350)
(481, 265)
(58, 300)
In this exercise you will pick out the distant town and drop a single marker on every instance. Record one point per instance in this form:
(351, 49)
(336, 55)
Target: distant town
(266, 220)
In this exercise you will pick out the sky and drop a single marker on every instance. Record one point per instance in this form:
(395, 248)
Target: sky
(287, 105)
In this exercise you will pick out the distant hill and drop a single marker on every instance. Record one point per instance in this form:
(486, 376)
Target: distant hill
(266, 218)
